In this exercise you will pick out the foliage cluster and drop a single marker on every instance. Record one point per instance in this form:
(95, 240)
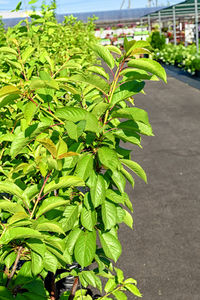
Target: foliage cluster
(157, 40)
(63, 168)
(181, 56)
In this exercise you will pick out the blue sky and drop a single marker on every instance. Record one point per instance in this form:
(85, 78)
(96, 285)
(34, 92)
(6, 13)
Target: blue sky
(70, 6)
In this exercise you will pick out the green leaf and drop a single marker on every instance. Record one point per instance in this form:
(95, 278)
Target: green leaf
(114, 196)
(136, 168)
(100, 109)
(128, 202)
(75, 130)
(24, 274)
(139, 45)
(138, 126)
(119, 295)
(84, 166)
(71, 215)
(118, 180)
(72, 238)
(35, 288)
(49, 145)
(109, 214)
(29, 111)
(21, 218)
(11, 188)
(98, 70)
(114, 49)
(63, 182)
(89, 277)
(120, 275)
(11, 207)
(19, 233)
(50, 226)
(93, 80)
(40, 84)
(76, 114)
(98, 191)
(133, 289)
(120, 214)
(37, 246)
(5, 294)
(10, 259)
(128, 136)
(36, 263)
(50, 262)
(8, 90)
(149, 65)
(18, 144)
(61, 148)
(108, 157)
(126, 90)
(128, 44)
(110, 285)
(105, 54)
(110, 245)
(132, 113)
(85, 248)
(128, 220)
(128, 176)
(7, 100)
(18, 7)
(88, 218)
(9, 51)
(27, 53)
(51, 203)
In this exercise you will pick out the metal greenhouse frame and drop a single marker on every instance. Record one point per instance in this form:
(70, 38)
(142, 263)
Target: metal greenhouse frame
(187, 9)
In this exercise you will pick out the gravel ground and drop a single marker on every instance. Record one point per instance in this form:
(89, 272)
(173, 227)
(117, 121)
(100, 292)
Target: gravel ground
(163, 250)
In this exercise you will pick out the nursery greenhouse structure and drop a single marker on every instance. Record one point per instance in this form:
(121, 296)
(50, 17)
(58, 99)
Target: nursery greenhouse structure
(179, 15)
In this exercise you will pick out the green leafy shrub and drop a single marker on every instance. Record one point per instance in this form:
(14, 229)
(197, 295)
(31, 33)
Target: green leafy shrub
(63, 169)
(183, 57)
(157, 40)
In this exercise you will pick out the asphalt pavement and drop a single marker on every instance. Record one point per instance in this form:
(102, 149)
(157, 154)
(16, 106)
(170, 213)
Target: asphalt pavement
(163, 251)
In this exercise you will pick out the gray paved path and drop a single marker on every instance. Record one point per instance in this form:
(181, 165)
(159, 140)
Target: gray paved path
(163, 251)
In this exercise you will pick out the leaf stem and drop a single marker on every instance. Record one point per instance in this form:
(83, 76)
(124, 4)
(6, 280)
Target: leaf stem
(39, 196)
(14, 266)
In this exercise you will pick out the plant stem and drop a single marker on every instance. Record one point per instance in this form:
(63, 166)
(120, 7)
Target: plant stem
(108, 294)
(74, 288)
(39, 196)
(50, 113)
(14, 266)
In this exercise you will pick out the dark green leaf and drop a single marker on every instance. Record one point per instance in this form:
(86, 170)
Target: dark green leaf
(126, 90)
(36, 263)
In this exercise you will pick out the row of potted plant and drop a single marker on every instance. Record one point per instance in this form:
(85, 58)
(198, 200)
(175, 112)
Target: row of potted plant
(186, 58)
